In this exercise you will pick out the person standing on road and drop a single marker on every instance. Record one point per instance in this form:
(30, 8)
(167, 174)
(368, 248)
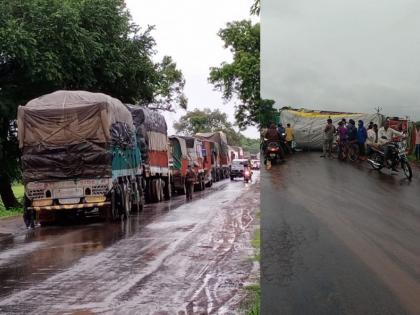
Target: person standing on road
(417, 142)
(372, 138)
(352, 131)
(290, 136)
(329, 132)
(190, 179)
(361, 139)
(342, 136)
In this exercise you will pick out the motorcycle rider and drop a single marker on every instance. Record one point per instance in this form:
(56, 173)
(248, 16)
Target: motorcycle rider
(247, 168)
(272, 134)
(385, 136)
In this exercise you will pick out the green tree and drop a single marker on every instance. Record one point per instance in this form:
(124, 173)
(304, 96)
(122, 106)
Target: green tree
(256, 7)
(207, 120)
(241, 77)
(250, 145)
(46, 45)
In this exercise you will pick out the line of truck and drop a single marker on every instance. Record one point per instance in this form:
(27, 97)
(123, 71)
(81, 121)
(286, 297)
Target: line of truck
(88, 153)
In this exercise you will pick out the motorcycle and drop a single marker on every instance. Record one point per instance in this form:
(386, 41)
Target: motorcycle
(247, 175)
(273, 153)
(397, 156)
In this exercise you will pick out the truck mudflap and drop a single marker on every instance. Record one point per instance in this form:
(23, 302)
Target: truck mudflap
(71, 207)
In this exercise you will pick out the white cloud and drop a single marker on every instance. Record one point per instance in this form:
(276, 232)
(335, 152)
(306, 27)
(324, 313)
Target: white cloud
(342, 55)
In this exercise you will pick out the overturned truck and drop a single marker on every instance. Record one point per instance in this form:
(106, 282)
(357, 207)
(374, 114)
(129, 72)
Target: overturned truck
(79, 155)
(308, 125)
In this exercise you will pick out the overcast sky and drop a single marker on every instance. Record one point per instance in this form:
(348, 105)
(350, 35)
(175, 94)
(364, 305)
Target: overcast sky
(187, 31)
(342, 55)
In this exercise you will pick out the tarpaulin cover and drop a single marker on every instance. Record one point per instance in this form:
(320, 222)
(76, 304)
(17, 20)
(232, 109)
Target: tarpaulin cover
(194, 148)
(68, 134)
(179, 151)
(150, 119)
(219, 137)
(151, 130)
(308, 126)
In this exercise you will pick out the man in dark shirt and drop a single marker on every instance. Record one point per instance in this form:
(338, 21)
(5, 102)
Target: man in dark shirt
(190, 179)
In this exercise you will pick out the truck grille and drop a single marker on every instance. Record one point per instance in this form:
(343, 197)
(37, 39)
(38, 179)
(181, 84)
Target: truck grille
(99, 189)
(36, 194)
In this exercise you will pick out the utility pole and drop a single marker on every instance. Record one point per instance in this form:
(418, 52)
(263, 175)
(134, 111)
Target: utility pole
(378, 115)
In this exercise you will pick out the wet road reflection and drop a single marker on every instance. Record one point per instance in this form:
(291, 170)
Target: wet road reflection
(339, 238)
(106, 267)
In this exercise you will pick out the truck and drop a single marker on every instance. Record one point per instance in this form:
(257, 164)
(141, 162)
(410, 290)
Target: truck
(221, 146)
(236, 152)
(210, 158)
(152, 138)
(179, 162)
(79, 156)
(195, 153)
(188, 151)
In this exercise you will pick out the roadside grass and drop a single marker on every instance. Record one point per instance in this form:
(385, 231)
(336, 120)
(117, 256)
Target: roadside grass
(256, 243)
(19, 191)
(252, 301)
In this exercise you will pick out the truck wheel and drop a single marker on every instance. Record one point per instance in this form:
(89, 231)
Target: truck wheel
(135, 205)
(161, 189)
(126, 201)
(156, 189)
(168, 190)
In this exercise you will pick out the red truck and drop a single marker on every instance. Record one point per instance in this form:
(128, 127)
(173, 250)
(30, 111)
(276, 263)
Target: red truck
(221, 147)
(187, 151)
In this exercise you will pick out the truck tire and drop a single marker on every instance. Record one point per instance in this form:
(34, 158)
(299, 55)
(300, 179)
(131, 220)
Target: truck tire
(126, 195)
(136, 203)
(168, 189)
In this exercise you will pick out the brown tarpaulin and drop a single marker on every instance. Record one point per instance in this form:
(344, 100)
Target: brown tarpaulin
(69, 117)
(68, 134)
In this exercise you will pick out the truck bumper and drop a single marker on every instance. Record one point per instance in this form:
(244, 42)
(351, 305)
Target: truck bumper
(71, 207)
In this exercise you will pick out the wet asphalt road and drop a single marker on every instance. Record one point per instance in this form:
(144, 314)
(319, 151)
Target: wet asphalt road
(173, 258)
(339, 238)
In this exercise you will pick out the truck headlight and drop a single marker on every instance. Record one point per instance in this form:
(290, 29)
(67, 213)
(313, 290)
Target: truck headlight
(92, 199)
(42, 202)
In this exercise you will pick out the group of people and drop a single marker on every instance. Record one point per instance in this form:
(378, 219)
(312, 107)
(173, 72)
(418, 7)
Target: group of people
(285, 136)
(366, 139)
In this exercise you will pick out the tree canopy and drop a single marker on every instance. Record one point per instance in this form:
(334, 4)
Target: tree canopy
(207, 120)
(47, 45)
(241, 77)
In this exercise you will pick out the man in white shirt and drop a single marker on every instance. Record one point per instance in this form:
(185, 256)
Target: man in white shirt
(385, 135)
(372, 137)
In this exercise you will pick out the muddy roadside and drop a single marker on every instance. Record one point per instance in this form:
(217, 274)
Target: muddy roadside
(11, 226)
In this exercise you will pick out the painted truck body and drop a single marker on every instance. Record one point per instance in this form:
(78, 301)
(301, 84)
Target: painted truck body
(179, 162)
(221, 146)
(79, 154)
(209, 162)
(195, 154)
(152, 137)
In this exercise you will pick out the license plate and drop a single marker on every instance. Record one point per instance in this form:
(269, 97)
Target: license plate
(68, 192)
